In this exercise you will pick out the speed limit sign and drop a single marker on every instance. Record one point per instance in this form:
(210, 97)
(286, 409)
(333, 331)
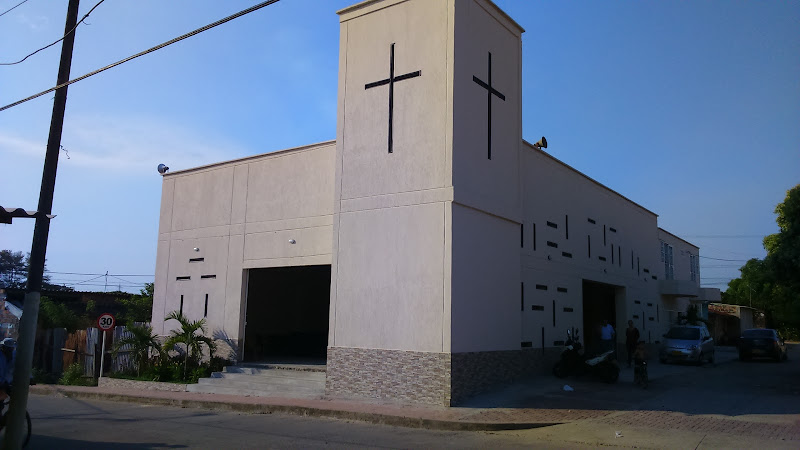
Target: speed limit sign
(106, 321)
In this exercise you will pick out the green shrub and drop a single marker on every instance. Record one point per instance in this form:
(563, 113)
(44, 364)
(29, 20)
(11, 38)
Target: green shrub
(40, 376)
(73, 376)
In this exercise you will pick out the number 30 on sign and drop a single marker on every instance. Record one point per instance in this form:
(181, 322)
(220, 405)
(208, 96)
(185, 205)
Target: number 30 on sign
(106, 321)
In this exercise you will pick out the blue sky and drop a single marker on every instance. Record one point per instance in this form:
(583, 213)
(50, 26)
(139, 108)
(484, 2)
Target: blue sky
(691, 109)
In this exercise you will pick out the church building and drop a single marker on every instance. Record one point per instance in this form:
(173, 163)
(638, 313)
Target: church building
(429, 252)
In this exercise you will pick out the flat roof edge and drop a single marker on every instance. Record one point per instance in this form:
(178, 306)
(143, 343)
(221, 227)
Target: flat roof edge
(247, 158)
(589, 178)
(678, 238)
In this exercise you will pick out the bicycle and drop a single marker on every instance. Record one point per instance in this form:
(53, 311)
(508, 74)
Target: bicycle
(3, 418)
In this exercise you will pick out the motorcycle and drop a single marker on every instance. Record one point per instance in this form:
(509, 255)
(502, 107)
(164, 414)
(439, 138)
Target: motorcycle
(573, 362)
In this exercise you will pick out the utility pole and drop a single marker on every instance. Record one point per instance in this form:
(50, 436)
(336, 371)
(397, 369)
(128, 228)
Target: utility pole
(15, 428)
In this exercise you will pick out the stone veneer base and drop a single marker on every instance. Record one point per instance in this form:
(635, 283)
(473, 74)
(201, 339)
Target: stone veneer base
(424, 377)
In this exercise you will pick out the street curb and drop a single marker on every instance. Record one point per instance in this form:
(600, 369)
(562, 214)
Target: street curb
(305, 411)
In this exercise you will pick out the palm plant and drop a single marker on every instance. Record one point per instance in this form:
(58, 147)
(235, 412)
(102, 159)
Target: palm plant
(139, 339)
(187, 335)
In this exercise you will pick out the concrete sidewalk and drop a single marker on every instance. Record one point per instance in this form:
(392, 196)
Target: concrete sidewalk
(591, 414)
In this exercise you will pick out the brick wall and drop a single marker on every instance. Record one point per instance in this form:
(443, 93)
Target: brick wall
(389, 374)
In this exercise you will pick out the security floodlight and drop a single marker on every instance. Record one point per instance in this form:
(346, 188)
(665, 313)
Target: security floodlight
(540, 144)
(162, 169)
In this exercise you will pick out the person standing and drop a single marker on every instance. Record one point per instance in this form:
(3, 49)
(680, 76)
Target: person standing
(607, 335)
(631, 340)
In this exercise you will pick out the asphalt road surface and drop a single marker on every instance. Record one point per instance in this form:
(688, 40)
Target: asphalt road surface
(740, 404)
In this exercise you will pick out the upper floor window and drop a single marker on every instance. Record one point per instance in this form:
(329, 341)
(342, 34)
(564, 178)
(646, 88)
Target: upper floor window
(666, 258)
(694, 267)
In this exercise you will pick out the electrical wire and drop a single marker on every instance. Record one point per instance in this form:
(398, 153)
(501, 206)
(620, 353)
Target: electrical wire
(59, 40)
(102, 274)
(720, 259)
(12, 8)
(150, 50)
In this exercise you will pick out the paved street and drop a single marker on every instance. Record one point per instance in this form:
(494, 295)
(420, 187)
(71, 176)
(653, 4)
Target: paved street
(732, 405)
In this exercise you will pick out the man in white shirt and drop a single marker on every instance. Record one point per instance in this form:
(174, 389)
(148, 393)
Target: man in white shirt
(607, 335)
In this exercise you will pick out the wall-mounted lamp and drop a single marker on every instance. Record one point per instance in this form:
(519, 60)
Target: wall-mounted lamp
(196, 249)
(292, 241)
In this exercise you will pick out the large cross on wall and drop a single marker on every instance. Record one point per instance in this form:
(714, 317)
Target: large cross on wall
(391, 81)
(490, 90)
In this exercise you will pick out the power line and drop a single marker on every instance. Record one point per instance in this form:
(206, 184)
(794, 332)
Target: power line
(721, 259)
(99, 274)
(12, 8)
(725, 236)
(150, 50)
(56, 42)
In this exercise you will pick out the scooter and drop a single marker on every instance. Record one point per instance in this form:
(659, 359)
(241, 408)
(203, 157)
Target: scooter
(572, 362)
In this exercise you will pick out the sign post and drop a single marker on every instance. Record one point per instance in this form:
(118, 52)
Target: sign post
(105, 322)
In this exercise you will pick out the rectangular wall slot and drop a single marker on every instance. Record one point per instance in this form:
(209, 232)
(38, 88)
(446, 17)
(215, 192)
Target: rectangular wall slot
(649, 304)
(612, 253)
(566, 226)
(208, 276)
(658, 314)
(551, 224)
(558, 343)
(654, 277)
(604, 235)
(191, 260)
(537, 308)
(646, 270)
(564, 290)
(635, 316)
(619, 256)
(589, 245)
(522, 235)
(552, 244)
(613, 230)
(205, 311)
(182, 278)
(181, 308)
(651, 319)
(566, 254)
(526, 344)
(542, 338)
(541, 287)
(601, 258)
(534, 237)
(568, 310)
(591, 221)
(522, 296)
(638, 302)
(637, 266)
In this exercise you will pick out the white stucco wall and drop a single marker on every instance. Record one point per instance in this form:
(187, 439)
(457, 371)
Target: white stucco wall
(391, 259)
(239, 215)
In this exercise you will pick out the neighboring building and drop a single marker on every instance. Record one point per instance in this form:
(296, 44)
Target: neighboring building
(429, 252)
(9, 317)
(726, 322)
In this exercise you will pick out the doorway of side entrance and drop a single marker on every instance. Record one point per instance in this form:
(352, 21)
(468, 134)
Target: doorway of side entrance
(599, 303)
(287, 314)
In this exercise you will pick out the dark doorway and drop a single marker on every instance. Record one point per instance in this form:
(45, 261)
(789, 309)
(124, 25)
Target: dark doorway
(599, 302)
(287, 314)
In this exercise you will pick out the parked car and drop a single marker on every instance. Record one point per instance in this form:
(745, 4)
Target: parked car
(762, 342)
(687, 343)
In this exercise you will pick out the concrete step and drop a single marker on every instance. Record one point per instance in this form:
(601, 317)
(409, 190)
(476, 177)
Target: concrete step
(272, 392)
(262, 382)
(240, 379)
(257, 368)
(273, 374)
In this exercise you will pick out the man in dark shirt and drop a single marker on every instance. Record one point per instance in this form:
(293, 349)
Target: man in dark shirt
(631, 340)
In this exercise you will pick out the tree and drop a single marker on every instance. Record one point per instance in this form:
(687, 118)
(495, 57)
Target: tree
(773, 284)
(140, 339)
(139, 307)
(13, 270)
(187, 335)
(57, 315)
